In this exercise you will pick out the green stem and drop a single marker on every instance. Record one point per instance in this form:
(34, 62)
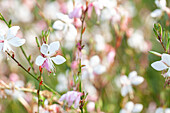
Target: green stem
(31, 65)
(4, 20)
(45, 85)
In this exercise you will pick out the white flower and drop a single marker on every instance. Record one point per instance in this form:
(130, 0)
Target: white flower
(127, 82)
(162, 110)
(161, 4)
(92, 67)
(130, 107)
(64, 24)
(46, 59)
(163, 64)
(137, 41)
(9, 38)
(158, 12)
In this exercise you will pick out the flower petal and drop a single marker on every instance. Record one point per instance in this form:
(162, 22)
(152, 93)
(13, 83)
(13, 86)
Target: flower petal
(167, 74)
(159, 66)
(166, 59)
(99, 69)
(77, 101)
(137, 80)
(1, 46)
(12, 31)
(58, 25)
(124, 91)
(39, 60)
(53, 47)
(129, 106)
(44, 49)
(156, 13)
(137, 108)
(16, 41)
(58, 59)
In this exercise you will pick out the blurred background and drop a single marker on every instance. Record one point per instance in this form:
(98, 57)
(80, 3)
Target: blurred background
(117, 42)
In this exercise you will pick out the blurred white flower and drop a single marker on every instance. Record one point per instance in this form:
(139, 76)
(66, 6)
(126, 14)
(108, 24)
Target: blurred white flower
(137, 41)
(100, 42)
(9, 38)
(50, 9)
(158, 12)
(63, 83)
(127, 82)
(161, 4)
(45, 60)
(91, 107)
(71, 97)
(130, 107)
(65, 28)
(92, 67)
(162, 110)
(163, 64)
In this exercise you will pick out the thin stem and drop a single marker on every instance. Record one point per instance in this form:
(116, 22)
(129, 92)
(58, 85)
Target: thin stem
(4, 20)
(163, 45)
(38, 91)
(45, 85)
(23, 51)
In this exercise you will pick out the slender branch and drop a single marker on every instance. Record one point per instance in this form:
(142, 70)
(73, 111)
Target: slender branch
(23, 51)
(45, 85)
(38, 91)
(4, 20)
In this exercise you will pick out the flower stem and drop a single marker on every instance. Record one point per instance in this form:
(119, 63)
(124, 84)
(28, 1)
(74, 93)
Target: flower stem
(31, 65)
(38, 91)
(45, 85)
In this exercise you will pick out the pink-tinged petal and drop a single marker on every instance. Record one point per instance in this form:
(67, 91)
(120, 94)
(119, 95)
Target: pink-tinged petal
(12, 31)
(48, 65)
(167, 74)
(44, 49)
(166, 58)
(137, 108)
(90, 8)
(58, 25)
(159, 66)
(63, 97)
(98, 6)
(16, 42)
(129, 106)
(76, 13)
(53, 47)
(39, 60)
(137, 80)
(124, 91)
(58, 59)
(77, 101)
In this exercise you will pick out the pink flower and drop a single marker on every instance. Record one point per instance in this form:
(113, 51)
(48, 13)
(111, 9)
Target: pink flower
(97, 6)
(77, 12)
(72, 97)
